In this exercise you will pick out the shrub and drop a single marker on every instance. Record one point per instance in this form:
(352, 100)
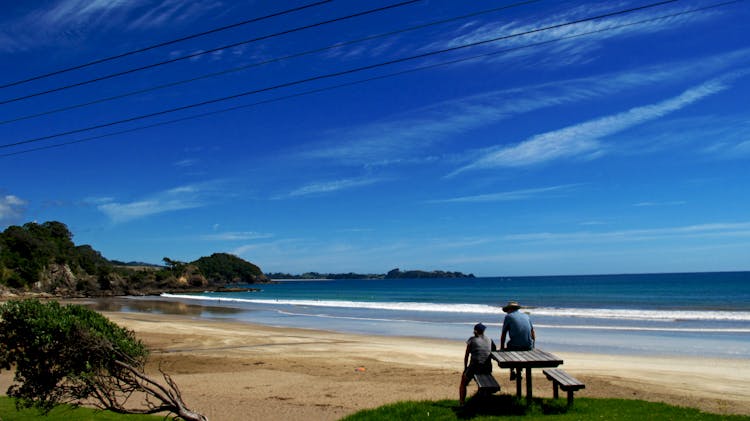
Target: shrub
(68, 354)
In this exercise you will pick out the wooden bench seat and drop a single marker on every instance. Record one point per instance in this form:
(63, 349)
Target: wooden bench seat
(487, 384)
(561, 379)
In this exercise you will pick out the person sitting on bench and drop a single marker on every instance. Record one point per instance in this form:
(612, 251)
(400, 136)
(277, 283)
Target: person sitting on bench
(479, 348)
(522, 335)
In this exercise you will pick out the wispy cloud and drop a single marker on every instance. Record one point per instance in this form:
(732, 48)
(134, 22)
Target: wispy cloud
(11, 208)
(61, 22)
(330, 186)
(728, 139)
(404, 139)
(709, 230)
(113, 12)
(66, 21)
(729, 150)
(659, 204)
(396, 140)
(583, 140)
(511, 196)
(592, 223)
(579, 49)
(180, 11)
(714, 136)
(178, 198)
(278, 247)
(77, 12)
(235, 236)
(185, 163)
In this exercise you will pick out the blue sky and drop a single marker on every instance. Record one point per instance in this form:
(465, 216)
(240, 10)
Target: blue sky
(619, 144)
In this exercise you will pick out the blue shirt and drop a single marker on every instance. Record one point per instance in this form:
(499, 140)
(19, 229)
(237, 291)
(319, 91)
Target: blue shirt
(518, 325)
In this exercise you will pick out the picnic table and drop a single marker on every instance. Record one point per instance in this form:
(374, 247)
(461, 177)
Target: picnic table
(536, 358)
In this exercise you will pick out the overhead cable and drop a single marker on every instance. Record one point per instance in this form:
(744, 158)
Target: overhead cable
(334, 74)
(361, 81)
(165, 43)
(269, 61)
(209, 51)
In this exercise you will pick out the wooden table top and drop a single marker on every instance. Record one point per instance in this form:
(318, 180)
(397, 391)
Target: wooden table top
(533, 358)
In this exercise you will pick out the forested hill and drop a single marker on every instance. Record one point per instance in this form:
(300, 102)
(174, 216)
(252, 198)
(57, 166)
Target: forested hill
(43, 258)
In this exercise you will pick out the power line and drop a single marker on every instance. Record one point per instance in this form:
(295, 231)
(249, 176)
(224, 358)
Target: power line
(334, 74)
(361, 81)
(212, 50)
(165, 43)
(261, 63)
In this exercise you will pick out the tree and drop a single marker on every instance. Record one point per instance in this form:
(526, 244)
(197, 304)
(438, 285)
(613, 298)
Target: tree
(174, 265)
(223, 268)
(71, 354)
(28, 249)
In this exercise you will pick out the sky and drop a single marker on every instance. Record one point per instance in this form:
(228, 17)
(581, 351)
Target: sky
(489, 137)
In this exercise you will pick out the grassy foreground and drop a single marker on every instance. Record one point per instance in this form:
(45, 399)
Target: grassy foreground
(64, 413)
(506, 407)
(500, 407)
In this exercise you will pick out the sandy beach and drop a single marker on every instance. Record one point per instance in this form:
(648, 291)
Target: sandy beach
(237, 371)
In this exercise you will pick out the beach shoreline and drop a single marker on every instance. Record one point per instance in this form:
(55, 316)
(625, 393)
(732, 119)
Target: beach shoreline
(230, 369)
(233, 370)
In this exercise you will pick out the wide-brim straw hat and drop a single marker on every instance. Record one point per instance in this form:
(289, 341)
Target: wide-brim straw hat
(512, 305)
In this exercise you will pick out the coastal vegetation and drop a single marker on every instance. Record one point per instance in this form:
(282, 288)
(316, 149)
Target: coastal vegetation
(74, 355)
(43, 258)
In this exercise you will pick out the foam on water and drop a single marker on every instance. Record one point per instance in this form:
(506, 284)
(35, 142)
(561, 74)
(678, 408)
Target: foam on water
(400, 306)
(629, 314)
(480, 309)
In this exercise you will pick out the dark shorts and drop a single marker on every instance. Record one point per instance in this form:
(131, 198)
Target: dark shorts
(473, 369)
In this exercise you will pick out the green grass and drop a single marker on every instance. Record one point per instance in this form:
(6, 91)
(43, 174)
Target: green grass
(506, 407)
(64, 413)
(498, 407)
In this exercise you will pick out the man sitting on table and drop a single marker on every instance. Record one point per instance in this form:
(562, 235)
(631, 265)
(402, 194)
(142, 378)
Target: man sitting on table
(521, 331)
(479, 347)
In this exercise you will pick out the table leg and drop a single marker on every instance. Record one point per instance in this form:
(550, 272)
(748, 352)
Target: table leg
(519, 379)
(528, 384)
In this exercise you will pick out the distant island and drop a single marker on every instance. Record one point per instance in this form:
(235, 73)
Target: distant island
(392, 274)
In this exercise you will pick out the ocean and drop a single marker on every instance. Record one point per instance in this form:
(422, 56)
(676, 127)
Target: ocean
(688, 314)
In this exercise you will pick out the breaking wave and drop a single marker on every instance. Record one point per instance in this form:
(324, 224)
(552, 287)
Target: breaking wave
(588, 313)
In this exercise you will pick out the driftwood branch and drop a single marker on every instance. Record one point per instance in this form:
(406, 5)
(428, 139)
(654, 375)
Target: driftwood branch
(169, 396)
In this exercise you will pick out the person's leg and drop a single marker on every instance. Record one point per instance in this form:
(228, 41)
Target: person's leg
(513, 372)
(462, 389)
